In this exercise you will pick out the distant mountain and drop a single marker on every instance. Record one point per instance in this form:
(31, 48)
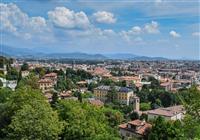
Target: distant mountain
(29, 53)
(17, 52)
(121, 56)
(75, 55)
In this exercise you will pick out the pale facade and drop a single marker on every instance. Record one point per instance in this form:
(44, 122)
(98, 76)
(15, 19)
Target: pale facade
(169, 113)
(46, 85)
(124, 95)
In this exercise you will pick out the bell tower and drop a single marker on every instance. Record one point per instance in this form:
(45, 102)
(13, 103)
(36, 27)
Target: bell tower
(136, 104)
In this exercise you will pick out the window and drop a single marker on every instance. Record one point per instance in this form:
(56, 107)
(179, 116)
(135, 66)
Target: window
(128, 134)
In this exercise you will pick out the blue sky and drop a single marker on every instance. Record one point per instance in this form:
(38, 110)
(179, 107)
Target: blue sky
(165, 28)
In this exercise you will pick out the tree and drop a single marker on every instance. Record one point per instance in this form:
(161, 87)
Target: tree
(28, 106)
(84, 121)
(54, 98)
(79, 95)
(134, 116)
(107, 82)
(31, 80)
(191, 101)
(35, 121)
(40, 71)
(61, 84)
(145, 106)
(1, 84)
(12, 74)
(91, 86)
(24, 67)
(113, 117)
(165, 130)
(69, 84)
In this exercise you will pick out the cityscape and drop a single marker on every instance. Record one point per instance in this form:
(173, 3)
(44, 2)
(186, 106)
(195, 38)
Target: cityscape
(100, 70)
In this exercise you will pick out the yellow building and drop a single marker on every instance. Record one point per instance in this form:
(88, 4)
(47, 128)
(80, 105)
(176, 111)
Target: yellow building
(46, 85)
(124, 95)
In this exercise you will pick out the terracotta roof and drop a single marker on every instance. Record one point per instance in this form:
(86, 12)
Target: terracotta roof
(96, 102)
(169, 111)
(135, 122)
(142, 127)
(51, 74)
(129, 78)
(45, 81)
(100, 71)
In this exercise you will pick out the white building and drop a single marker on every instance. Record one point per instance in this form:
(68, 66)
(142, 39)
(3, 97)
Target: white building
(169, 113)
(24, 73)
(10, 84)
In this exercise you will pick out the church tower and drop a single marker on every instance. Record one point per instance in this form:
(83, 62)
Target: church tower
(136, 104)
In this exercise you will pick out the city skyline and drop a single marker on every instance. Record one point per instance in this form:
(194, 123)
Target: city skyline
(160, 28)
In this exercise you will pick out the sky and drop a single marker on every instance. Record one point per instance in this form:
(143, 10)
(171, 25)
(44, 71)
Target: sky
(156, 28)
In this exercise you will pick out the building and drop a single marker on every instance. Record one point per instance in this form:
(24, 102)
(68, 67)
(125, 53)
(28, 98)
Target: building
(10, 84)
(169, 113)
(130, 79)
(46, 85)
(52, 76)
(167, 86)
(124, 95)
(65, 94)
(95, 102)
(4, 69)
(134, 129)
(24, 73)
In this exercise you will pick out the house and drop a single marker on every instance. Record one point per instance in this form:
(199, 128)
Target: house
(10, 84)
(169, 113)
(134, 129)
(95, 102)
(130, 79)
(167, 86)
(65, 94)
(100, 71)
(52, 76)
(24, 73)
(4, 81)
(124, 94)
(4, 69)
(46, 85)
(48, 95)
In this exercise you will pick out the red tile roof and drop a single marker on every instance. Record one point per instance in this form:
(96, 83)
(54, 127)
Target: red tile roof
(142, 127)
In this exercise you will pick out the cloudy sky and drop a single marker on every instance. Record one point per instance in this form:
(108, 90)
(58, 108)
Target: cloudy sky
(165, 28)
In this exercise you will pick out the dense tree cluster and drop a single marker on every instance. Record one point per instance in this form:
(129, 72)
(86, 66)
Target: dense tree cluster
(77, 75)
(26, 114)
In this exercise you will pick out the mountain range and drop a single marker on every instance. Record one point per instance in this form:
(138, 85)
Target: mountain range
(30, 53)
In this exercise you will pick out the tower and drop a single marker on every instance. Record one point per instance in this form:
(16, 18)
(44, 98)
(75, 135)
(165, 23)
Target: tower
(136, 104)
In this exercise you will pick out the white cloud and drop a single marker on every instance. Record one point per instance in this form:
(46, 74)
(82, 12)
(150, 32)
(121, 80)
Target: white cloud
(158, 1)
(65, 18)
(104, 17)
(196, 34)
(37, 23)
(174, 34)
(136, 30)
(18, 23)
(152, 27)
